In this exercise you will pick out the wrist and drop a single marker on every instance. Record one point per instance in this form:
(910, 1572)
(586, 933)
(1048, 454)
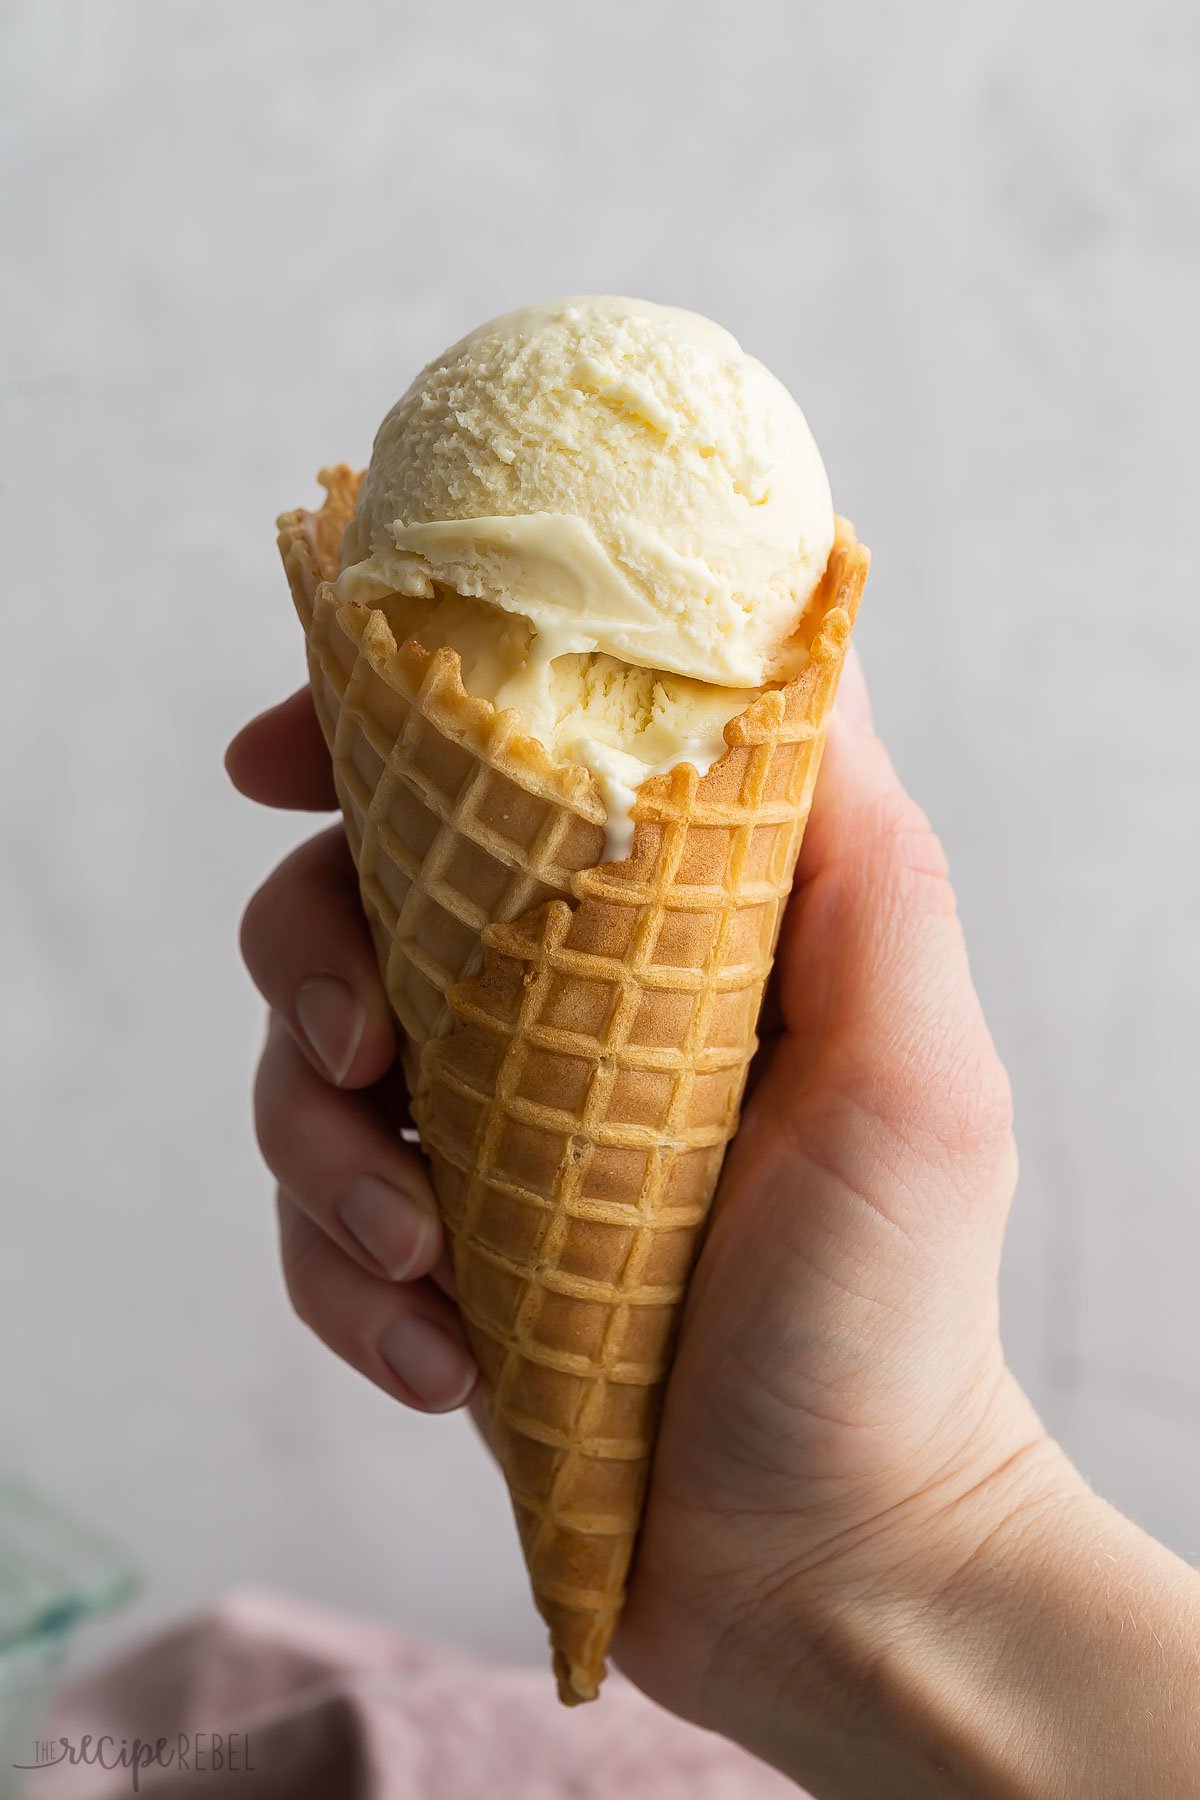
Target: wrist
(1064, 1656)
(1021, 1640)
(874, 1669)
(958, 1679)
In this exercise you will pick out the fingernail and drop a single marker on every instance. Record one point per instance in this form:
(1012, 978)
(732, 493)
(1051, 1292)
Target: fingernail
(428, 1360)
(391, 1226)
(333, 1021)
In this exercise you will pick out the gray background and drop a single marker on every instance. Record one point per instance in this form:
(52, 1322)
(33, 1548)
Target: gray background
(967, 238)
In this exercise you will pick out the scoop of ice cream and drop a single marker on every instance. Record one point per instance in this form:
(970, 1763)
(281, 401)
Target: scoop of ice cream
(621, 721)
(619, 473)
(614, 515)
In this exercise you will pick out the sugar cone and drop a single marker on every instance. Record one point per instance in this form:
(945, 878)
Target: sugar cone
(577, 1034)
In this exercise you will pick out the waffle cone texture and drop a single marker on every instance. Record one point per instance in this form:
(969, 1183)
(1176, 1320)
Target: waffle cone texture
(576, 1033)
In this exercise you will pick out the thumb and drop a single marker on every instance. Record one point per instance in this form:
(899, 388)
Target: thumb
(863, 1197)
(875, 987)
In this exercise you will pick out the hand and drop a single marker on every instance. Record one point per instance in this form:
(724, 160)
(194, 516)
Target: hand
(843, 1454)
(840, 1361)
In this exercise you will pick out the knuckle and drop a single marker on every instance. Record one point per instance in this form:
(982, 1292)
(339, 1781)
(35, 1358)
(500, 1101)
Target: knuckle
(275, 1109)
(980, 1110)
(912, 842)
(302, 1287)
(905, 856)
(948, 1100)
(304, 1280)
(255, 926)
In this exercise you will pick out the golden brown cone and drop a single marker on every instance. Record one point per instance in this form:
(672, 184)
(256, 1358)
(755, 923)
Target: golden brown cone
(577, 1034)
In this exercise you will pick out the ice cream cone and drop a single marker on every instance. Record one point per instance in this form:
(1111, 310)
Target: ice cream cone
(577, 1033)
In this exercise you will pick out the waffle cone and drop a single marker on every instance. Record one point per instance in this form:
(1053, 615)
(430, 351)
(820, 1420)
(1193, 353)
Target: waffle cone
(577, 1033)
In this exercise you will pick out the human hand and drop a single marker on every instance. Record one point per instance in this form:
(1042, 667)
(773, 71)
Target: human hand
(854, 1515)
(879, 1118)
(840, 1359)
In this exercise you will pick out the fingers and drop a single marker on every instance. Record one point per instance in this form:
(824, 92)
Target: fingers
(280, 758)
(309, 953)
(363, 1250)
(405, 1338)
(335, 1156)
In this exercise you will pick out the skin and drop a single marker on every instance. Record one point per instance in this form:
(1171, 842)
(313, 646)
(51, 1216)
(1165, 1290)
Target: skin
(862, 1557)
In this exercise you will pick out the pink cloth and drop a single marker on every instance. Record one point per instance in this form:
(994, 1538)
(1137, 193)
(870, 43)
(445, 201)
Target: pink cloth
(338, 1709)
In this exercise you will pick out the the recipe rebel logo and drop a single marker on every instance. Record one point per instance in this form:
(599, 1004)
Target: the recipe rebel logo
(198, 1752)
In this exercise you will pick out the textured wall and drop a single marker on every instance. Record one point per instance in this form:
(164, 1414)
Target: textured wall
(967, 237)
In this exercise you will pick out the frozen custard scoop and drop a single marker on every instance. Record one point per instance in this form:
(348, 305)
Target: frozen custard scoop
(643, 500)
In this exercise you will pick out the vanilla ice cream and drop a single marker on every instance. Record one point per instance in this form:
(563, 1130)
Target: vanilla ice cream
(614, 515)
